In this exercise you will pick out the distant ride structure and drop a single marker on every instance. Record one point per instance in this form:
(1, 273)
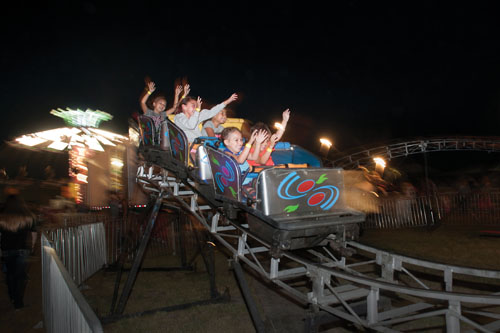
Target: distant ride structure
(94, 154)
(363, 156)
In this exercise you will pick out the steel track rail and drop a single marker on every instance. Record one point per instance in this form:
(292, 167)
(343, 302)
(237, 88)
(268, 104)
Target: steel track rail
(410, 147)
(335, 283)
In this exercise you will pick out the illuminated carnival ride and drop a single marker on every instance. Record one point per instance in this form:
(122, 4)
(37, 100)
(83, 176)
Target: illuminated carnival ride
(82, 139)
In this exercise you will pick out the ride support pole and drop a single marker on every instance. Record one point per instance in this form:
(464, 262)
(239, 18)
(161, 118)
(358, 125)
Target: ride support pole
(139, 256)
(252, 307)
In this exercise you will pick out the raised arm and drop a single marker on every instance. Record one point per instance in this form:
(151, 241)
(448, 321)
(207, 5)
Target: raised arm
(260, 137)
(284, 122)
(192, 122)
(207, 114)
(151, 88)
(272, 142)
(242, 157)
(232, 98)
(187, 89)
(178, 91)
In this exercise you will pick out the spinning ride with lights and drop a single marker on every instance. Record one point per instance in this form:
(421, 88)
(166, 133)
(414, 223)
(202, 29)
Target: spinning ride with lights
(82, 139)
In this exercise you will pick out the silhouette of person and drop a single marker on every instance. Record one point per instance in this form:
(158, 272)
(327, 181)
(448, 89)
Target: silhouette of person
(18, 236)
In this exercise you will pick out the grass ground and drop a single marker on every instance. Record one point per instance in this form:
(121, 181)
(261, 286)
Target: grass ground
(154, 290)
(459, 245)
(451, 244)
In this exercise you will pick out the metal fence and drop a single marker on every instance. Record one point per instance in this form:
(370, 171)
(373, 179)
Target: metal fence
(64, 307)
(82, 249)
(122, 235)
(445, 208)
(400, 213)
(476, 208)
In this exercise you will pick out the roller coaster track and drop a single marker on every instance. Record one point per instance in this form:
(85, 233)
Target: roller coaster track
(363, 156)
(373, 289)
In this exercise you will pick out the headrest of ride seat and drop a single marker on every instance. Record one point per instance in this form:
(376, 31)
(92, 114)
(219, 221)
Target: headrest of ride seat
(292, 165)
(282, 145)
(207, 141)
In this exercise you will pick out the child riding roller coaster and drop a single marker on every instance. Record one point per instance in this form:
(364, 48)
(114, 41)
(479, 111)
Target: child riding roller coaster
(159, 103)
(190, 115)
(293, 203)
(233, 142)
(213, 127)
(263, 156)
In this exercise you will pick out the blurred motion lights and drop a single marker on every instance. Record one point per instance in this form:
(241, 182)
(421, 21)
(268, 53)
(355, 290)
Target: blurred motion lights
(81, 138)
(379, 161)
(326, 142)
(278, 126)
(79, 118)
(116, 162)
(81, 178)
(69, 137)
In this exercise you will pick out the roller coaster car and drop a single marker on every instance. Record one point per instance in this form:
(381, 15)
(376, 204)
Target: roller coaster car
(166, 147)
(292, 208)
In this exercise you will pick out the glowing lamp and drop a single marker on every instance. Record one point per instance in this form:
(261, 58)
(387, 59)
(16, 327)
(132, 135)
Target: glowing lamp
(326, 142)
(379, 161)
(379, 165)
(278, 126)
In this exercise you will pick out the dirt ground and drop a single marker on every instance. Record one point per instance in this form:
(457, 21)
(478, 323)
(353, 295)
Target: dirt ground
(31, 316)
(459, 245)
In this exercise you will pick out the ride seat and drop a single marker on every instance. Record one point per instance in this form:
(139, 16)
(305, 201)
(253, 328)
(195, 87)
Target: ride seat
(288, 154)
(179, 145)
(205, 172)
(226, 175)
(147, 131)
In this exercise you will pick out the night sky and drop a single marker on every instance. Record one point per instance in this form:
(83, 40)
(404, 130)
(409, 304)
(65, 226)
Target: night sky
(357, 72)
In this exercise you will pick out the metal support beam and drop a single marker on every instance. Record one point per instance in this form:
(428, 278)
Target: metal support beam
(453, 321)
(372, 306)
(127, 289)
(252, 308)
(206, 249)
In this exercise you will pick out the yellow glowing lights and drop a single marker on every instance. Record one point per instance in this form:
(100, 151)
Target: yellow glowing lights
(116, 162)
(81, 178)
(278, 126)
(379, 161)
(133, 136)
(58, 145)
(108, 135)
(85, 134)
(66, 138)
(326, 142)
(30, 141)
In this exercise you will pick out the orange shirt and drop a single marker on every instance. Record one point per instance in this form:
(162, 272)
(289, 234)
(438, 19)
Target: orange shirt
(269, 162)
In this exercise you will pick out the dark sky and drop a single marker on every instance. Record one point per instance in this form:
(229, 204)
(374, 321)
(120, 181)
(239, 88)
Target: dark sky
(359, 72)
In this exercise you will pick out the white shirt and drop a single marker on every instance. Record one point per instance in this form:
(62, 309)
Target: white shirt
(190, 126)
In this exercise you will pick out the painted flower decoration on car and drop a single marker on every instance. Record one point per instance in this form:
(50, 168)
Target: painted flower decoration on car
(293, 187)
